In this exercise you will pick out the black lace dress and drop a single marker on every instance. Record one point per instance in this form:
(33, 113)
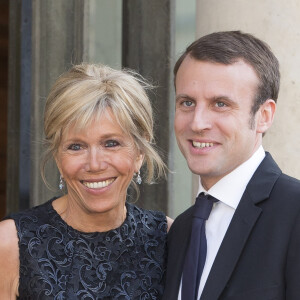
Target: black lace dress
(59, 262)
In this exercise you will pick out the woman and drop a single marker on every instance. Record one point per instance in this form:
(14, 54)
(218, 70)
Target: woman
(90, 243)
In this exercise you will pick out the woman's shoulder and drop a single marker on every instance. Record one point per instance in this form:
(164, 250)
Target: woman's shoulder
(149, 218)
(30, 218)
(8, 237)
(27, 213)
(9, 258)
(138, 211)
(8, 233)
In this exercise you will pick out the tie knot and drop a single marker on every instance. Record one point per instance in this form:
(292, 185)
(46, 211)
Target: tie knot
(203, 206)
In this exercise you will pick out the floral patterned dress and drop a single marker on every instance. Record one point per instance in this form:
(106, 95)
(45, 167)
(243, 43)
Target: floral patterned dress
(59, 262)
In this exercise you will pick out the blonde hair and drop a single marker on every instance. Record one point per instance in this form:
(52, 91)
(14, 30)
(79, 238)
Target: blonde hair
(85, 92)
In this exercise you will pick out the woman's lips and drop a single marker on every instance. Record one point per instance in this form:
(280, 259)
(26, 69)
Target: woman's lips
(98, 184)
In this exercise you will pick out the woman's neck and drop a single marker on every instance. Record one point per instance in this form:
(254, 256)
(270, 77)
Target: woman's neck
(85, 221)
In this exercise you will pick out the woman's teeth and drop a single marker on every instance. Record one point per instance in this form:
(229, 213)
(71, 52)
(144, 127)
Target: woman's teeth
(98, 185)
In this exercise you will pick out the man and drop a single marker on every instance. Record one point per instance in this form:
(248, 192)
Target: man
(226, 91)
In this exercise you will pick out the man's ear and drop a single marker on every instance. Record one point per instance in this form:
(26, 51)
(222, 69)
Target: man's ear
(265, 115)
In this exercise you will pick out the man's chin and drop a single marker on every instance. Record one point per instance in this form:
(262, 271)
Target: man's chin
(198, 168)
(199, 172)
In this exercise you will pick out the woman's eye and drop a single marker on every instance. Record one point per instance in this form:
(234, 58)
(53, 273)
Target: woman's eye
(74, 147)
(111, 143)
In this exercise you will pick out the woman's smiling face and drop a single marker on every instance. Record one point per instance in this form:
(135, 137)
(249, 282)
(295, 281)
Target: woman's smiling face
(97, 164)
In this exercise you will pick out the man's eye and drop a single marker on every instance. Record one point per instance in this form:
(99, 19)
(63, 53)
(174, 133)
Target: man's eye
(220, 104)
(74, 147)
(187, 103)
(111, 143)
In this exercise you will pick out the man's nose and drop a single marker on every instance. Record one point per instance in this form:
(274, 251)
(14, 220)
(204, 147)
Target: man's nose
(201, 119)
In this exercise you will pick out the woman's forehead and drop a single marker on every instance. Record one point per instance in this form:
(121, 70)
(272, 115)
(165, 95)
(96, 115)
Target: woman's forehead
(106, 120)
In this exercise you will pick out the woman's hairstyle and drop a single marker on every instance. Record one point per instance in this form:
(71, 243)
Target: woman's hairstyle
(83, 93)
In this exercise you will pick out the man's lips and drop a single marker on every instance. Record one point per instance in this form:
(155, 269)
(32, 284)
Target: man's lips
(202, 145)
(98, 184)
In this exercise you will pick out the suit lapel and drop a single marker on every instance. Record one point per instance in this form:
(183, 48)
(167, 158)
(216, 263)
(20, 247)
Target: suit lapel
(243, 221)
(234, 241)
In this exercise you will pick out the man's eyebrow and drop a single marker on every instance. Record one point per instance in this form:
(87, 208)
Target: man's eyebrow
(184, 96)
(222, 97)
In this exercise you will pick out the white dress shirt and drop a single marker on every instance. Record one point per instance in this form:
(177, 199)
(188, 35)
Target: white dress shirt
(228, 191)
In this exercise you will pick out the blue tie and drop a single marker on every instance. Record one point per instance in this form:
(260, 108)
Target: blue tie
(196, 252)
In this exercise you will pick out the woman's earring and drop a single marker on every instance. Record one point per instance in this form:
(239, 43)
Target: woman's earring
(138, 178)
(61, 183)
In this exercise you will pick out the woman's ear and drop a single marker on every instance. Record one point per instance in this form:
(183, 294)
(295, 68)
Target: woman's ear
(139, 161)
(58, 165)
(265, 115)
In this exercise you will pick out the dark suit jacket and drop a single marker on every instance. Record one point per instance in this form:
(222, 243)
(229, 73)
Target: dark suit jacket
(259, 258)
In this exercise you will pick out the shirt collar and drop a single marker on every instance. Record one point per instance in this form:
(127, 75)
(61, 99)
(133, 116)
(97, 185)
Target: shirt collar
(231, 187)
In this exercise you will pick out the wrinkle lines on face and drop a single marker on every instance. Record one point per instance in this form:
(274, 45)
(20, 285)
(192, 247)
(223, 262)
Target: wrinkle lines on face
(98, 164)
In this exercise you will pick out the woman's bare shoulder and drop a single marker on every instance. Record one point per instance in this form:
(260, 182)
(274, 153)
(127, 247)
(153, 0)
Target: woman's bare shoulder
(8, 235)
(9, 260)
(7, 227)
(169, 221)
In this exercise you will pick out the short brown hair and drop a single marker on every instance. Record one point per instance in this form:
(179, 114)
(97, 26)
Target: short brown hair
(228, 47)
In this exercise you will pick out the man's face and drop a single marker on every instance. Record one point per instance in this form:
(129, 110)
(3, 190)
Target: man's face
(214, 127)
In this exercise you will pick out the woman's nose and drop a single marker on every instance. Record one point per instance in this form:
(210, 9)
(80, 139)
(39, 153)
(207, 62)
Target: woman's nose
(96, 161)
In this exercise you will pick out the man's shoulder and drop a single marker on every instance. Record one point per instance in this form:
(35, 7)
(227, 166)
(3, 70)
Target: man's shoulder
(187, 214)
(282, 198)
(182, 221)
(269, 179)
(289, 185)
(290, 179)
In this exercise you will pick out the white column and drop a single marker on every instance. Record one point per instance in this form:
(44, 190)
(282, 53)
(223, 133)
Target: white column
(276, 22)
